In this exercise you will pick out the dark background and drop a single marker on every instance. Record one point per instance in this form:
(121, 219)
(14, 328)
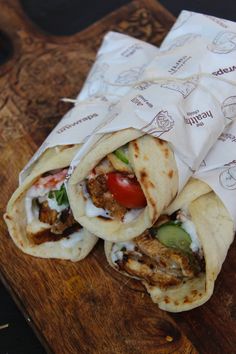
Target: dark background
(65, 17)
(70, 16)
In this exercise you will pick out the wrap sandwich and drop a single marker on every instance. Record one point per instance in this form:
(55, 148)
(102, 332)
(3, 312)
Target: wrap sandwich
(178, 259)
(122, 185)
(39, 216)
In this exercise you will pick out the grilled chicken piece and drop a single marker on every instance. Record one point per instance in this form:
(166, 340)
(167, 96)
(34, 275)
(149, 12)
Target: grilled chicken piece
(157, 264)
(52, 226)
(65, 221)
(97, 187)
(45, 236)
(168, 258)
(147, 269)
(46, 214)
(102, 198)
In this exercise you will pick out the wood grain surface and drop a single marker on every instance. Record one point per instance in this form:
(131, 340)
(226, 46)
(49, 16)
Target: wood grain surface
(86, 307)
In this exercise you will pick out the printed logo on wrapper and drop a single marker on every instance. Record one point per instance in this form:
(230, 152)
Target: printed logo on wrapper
(224, 43)
(196, 118)
(227, 178)
(182, 40)
(144, 85)
(130, 76)
(185, 87)
(95, 82)
(220, 21)
(230, 163)
(131, 50)
(229, 107)
(179, 64)
(161, 123)
(74, 123)
(184, 17)
(222, 71)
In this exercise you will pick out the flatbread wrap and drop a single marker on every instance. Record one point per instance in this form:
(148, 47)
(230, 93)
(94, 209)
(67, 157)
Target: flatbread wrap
(39, 216)
(180, 257)
(122, 185)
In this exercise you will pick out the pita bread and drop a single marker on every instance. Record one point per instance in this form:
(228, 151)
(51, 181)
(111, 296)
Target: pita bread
(15, 217)
(215, 231)
(154, 165)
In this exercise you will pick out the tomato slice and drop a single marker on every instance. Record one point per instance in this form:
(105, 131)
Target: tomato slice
(52, 180)
(126, 190)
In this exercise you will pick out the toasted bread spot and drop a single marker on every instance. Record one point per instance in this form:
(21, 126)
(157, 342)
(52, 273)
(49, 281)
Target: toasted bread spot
(160, 142)
(7, 217)
(194, 292)
(151, 184)
(147, 184)
(154, 205)
(136, 147)
(176, 303)
(152, 202)
(166, 152)
(143, 176)
(170, 173)
(186, 300)
(166, 299)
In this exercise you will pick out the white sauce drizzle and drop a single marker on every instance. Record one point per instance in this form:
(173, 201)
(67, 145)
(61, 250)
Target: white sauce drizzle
(117, 254)
(132, 215)
(32, 210)
(73, 239)
(187, 225)
(40, 193)
(91, 210)
(52, 203)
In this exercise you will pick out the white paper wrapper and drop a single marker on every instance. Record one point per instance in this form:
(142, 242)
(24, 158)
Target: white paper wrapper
(218, 169)
(220, 33)
(120, 61)
(182, 97)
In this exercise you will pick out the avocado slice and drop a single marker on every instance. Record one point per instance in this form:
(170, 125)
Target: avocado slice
(174, 236)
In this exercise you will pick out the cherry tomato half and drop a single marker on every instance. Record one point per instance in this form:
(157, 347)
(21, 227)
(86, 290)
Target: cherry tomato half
(125, 190)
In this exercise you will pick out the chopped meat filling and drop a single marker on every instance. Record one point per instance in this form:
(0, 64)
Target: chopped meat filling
(102, 198)
(62, 224)
(168, 258)
(65, 221)
(147, 269)
(46, 214)
(157, 264)
(49, 236)
(44, 236)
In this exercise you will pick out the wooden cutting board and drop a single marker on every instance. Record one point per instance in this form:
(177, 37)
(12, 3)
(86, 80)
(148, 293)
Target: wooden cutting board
(86, 307)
